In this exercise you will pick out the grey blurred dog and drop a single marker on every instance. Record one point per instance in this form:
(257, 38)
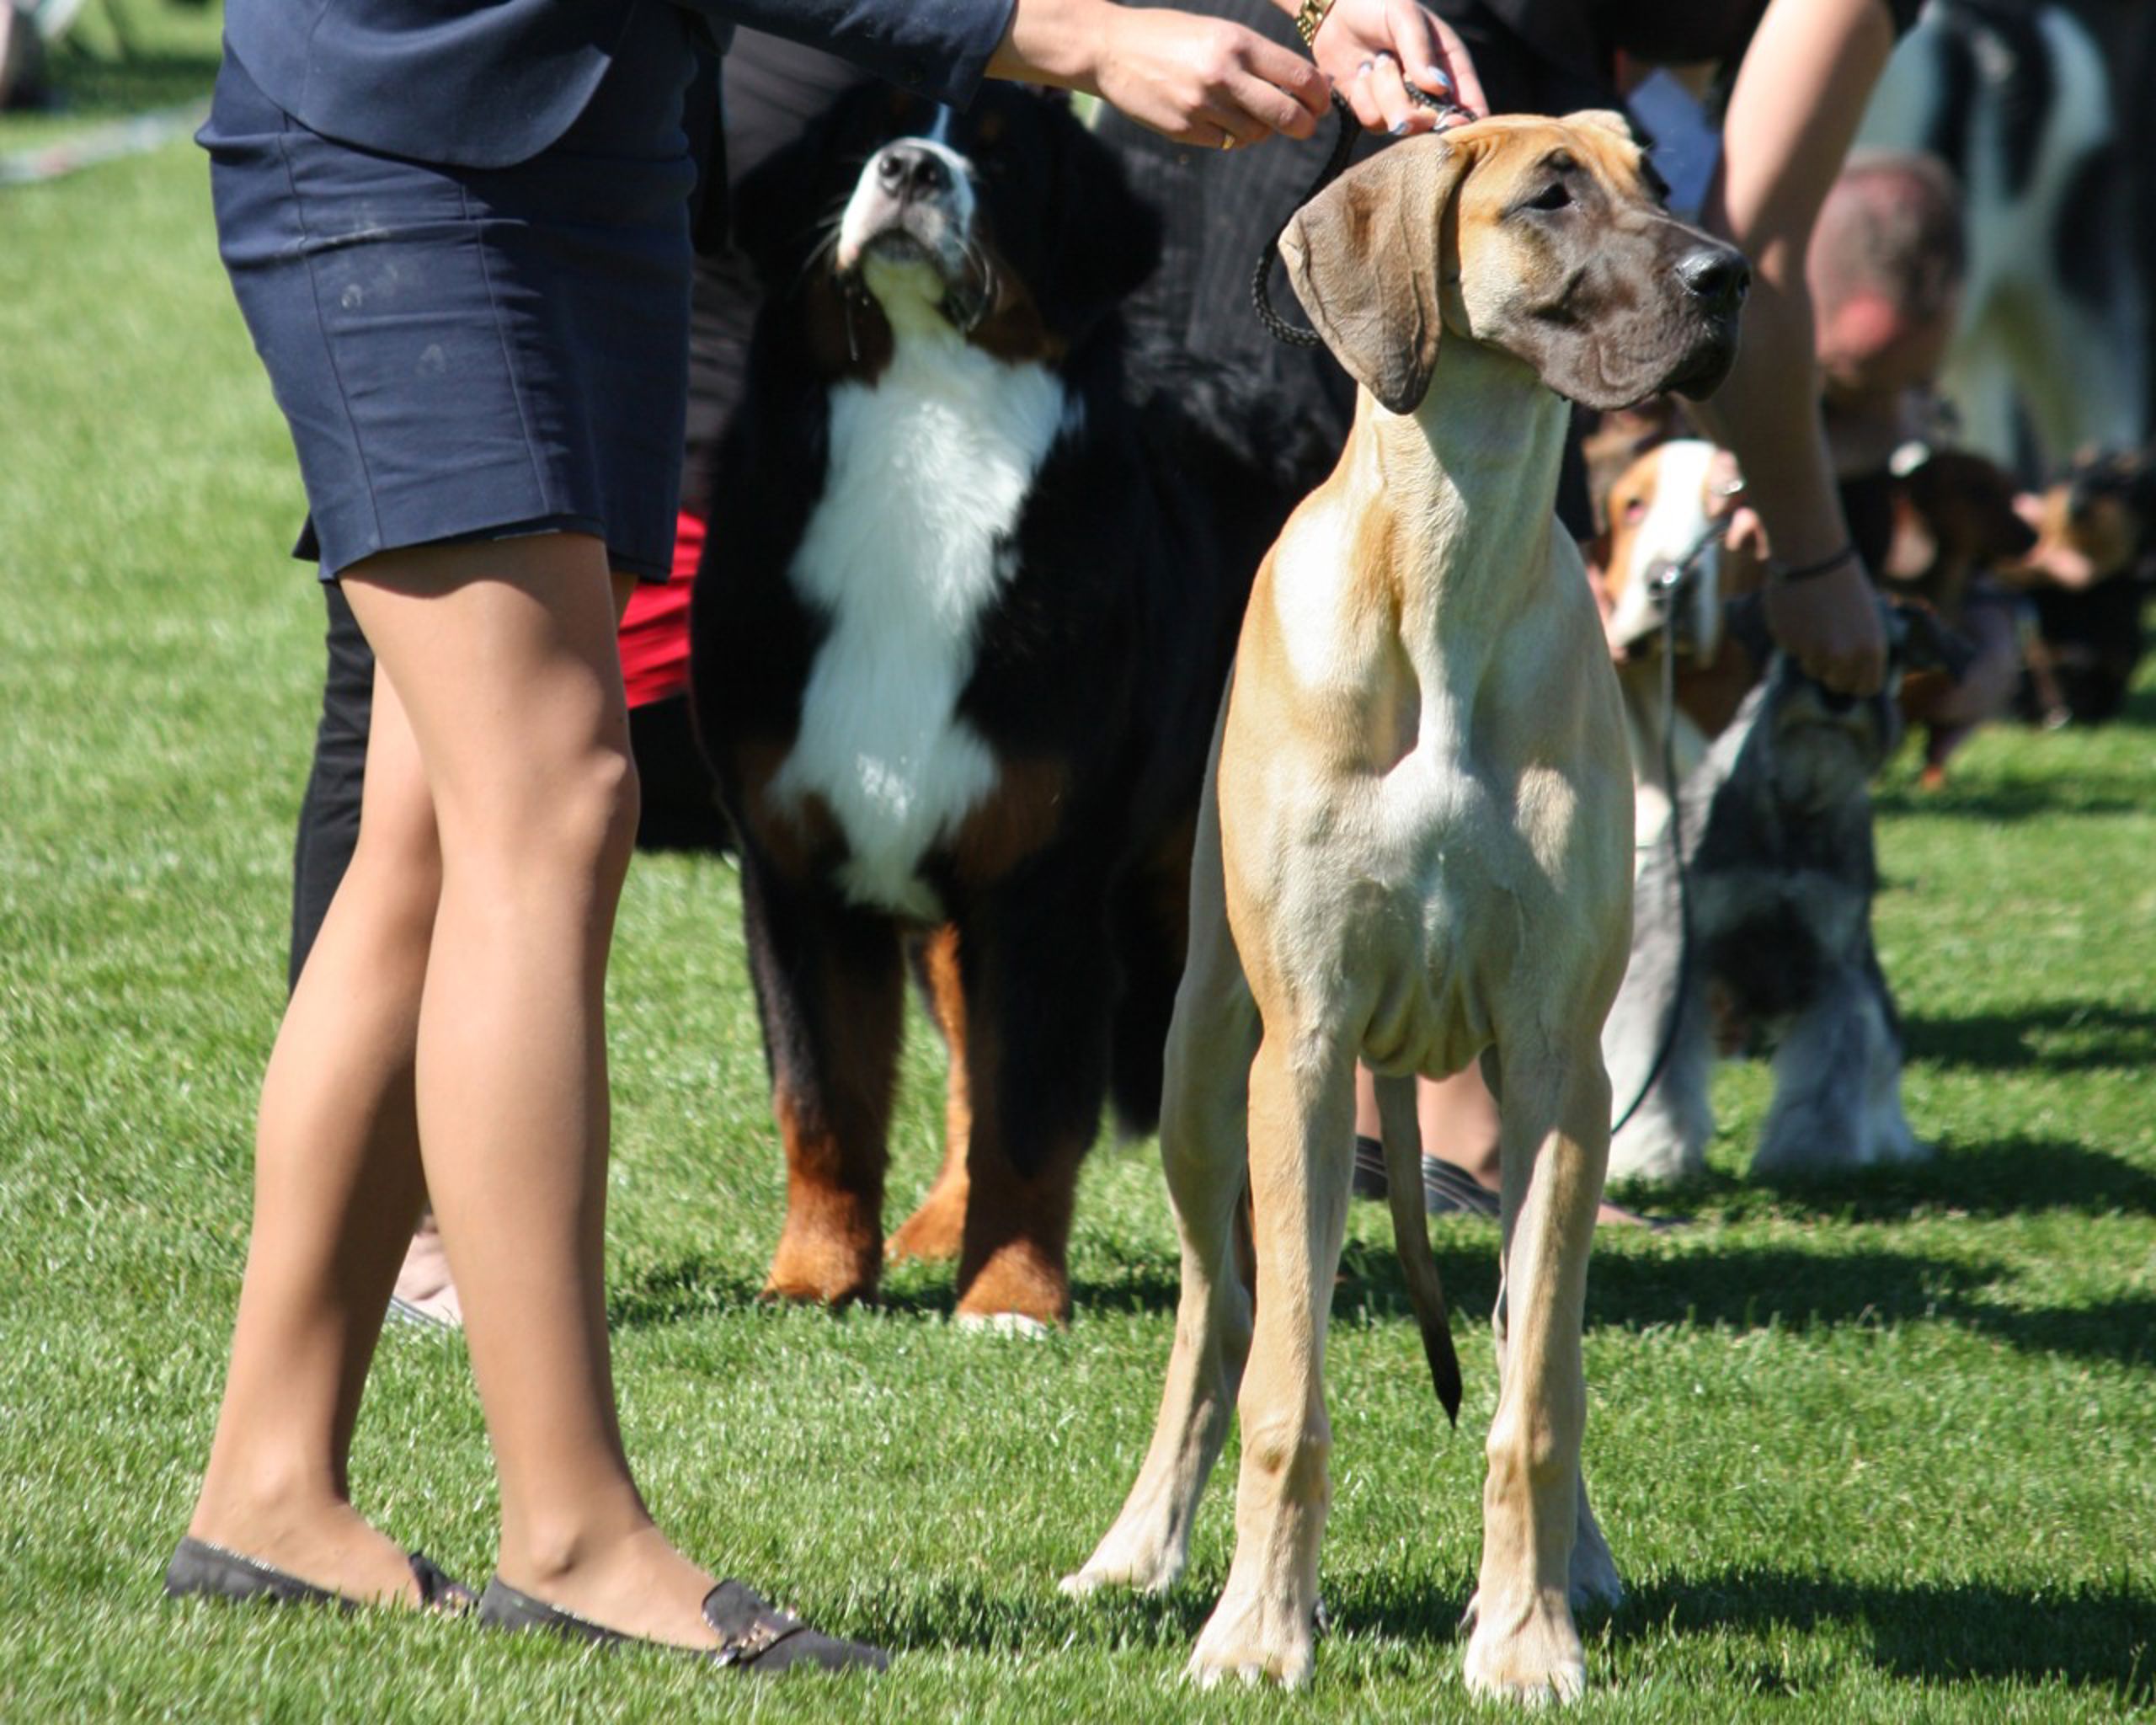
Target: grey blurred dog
(1777, 884)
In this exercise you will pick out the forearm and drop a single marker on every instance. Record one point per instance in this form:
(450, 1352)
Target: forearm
(1767, 413)
(1056, 42)
(1796, 106)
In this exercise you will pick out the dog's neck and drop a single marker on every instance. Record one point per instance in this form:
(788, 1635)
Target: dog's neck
(1470, 480)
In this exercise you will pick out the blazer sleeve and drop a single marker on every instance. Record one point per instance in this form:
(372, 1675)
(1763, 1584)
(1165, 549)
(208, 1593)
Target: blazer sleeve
(938, 48)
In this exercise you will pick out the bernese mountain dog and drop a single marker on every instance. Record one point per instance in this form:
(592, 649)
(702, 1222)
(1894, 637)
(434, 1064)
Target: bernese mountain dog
(962, 627)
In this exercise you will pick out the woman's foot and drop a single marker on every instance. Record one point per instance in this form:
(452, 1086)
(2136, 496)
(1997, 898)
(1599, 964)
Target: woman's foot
(330, 1547)
(637, 1586)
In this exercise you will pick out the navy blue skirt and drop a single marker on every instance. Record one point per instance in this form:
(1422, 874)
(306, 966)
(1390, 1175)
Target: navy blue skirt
(468, 353)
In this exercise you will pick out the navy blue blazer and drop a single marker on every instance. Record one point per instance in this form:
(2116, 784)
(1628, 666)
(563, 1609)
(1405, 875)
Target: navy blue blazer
(485, 83)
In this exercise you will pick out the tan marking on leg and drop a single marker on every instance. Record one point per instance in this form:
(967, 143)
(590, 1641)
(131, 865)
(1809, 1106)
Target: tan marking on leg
(935, 1229)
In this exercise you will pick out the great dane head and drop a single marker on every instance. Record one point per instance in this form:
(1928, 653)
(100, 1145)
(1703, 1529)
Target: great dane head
(1544, 238)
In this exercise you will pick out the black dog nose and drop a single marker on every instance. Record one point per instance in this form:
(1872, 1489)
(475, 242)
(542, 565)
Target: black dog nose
(912, 171)
(1715, 274)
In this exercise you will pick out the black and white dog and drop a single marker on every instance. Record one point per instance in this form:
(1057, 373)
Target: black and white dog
(2014, 97)
(1778, 879)
(974, 577)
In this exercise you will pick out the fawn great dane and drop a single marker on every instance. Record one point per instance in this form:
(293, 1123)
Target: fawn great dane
(1415, 851)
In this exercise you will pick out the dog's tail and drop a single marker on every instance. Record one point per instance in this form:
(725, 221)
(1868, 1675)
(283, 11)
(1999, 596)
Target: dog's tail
(1411, 1236)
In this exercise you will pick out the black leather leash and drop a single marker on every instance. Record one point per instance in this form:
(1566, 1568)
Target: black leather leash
(1343, 147)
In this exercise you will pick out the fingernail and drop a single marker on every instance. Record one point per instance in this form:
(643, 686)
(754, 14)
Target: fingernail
(1398, 129)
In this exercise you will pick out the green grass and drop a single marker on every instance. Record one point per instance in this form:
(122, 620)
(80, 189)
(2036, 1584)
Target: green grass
(1883, 1448)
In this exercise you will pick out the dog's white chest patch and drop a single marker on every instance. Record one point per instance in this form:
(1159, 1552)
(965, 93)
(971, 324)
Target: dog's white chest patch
(928, 470)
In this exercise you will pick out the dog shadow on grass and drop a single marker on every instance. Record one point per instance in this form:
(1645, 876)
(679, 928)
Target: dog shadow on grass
(2063, 1037)
(1742, 1288)
(699, 1285)
(2005, 799)
(1924, 1631)
(2013, 1176)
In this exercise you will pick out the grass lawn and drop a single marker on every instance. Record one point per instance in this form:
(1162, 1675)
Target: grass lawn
(1882, 1448)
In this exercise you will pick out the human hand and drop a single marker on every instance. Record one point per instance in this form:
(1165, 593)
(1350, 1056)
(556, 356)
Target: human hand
(1204, 81)
(1372, 50)
(1829, 625)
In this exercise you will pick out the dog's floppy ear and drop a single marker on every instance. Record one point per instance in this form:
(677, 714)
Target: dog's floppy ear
(1365, 256)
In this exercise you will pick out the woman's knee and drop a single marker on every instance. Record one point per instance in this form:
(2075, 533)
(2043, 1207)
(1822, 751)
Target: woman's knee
(577, 817)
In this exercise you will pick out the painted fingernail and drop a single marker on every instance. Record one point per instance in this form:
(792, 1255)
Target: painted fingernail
(1398, 129)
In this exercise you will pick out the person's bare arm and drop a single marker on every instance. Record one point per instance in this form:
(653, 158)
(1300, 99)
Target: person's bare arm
(1210, 83)
(1798, 99)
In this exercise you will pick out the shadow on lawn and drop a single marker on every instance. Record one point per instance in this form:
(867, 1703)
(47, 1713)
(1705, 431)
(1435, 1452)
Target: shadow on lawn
(2015, 1176)
(2062, 1038)
(1746, 1288)
(2087, 793)
(1926, 1632)
(1722, 1286)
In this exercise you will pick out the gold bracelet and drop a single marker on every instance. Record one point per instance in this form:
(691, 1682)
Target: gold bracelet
(1310, 19)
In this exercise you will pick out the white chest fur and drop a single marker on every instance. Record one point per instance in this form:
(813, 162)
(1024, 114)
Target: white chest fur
(928, 471)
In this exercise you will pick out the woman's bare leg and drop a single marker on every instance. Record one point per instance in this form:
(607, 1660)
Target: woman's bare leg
(503, 656)
(336, 1185)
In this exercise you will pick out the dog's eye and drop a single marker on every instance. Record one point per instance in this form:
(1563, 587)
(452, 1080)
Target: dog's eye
(1557, 195)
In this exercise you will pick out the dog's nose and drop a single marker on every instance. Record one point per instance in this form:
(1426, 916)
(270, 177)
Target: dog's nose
(909, 171)
(1716, 276)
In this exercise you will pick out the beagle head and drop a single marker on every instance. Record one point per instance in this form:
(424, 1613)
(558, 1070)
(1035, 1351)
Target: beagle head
(1545, 238)
(1662, 549)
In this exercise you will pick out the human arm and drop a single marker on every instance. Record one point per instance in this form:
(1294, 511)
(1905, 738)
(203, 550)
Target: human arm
(1799, 97)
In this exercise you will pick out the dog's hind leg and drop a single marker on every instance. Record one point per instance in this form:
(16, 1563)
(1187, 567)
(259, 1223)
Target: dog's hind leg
(1039, 977)
(830, 991)
(1302, 1106)
(1211, 1040)
(933, 1231)
(1555, 1128)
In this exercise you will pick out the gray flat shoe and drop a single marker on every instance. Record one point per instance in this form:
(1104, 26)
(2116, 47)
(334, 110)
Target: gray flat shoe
(753, 1634)
(199, 1569)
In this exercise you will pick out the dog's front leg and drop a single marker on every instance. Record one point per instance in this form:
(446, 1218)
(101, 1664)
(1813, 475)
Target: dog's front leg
(1838, 1082)
(1302, 1114)
(1210, 1042)
(830, 990)
(1555, 1135)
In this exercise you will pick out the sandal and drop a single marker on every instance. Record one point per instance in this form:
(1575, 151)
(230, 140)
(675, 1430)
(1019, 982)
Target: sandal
(201, 1569)
(753, 1633)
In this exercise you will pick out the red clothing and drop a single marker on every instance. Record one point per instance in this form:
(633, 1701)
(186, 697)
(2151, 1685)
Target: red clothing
(655, 630)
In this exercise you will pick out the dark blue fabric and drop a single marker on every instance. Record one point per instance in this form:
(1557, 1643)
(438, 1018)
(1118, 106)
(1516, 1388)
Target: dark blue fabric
(466, 353)
(487, 83)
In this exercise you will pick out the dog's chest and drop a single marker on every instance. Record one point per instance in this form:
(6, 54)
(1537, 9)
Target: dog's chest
(904, 556)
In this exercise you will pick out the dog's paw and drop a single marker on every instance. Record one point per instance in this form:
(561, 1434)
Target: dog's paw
(817, 1267)
(1002, 1323)
(931, 1234)
(1253, 1640)
(1127, 1556)
(1528, 1653)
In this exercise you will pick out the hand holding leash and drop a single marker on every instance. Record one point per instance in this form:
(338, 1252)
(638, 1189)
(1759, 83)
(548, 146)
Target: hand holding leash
(1399, 68)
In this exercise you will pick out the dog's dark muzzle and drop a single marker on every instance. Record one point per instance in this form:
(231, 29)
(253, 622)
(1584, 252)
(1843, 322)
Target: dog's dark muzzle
(1715, 278)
